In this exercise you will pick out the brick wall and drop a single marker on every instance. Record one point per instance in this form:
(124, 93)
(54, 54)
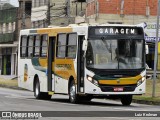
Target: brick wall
(131, 7)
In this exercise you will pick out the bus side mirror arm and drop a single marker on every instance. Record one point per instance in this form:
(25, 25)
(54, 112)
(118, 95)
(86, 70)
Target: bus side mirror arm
(84, 46)
(147, 49)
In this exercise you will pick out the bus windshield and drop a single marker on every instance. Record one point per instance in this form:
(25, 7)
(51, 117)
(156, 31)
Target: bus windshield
(115, 54)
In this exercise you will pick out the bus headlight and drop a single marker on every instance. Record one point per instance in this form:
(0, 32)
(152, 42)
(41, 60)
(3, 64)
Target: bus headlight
(141, 81)
(89, 78)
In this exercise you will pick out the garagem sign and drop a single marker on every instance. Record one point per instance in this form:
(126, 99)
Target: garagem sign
(115, 31)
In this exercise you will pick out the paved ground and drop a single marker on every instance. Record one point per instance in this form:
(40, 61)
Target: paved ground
(11, 82)
(60, 108)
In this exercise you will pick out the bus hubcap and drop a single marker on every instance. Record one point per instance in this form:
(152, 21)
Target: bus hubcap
(72, 92)
(37, 90)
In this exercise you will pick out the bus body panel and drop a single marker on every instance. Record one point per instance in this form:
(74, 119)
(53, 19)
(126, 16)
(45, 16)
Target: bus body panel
(26, 77)
(91, 88)
(94, 90)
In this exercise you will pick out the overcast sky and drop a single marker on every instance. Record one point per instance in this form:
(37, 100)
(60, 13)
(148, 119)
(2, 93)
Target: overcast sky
(14, 2)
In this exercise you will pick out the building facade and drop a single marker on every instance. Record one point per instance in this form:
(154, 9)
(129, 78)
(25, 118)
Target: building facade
(8, 45)
(12, 20)
(56, 12)
(24, 14)
(2, 2)
(39, 13)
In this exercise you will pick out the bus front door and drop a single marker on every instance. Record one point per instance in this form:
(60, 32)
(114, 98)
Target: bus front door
(51, 54)
(80, 66)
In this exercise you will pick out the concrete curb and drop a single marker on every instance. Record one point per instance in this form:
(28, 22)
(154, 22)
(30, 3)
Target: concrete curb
(146, 102)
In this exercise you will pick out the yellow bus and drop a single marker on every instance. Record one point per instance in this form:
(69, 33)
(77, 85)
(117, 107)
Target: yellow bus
(83, 61)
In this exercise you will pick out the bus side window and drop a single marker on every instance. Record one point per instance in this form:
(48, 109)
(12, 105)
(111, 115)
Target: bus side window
(23, 46)
(72, 45)
(44, 39)
(61, 45)
(30, 46)
(37, 46)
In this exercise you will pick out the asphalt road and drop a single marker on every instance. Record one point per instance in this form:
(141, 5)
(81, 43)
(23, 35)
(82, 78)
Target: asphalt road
(97, 109)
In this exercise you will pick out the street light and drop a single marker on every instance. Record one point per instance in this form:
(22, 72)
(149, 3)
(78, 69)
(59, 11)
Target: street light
(156, 51)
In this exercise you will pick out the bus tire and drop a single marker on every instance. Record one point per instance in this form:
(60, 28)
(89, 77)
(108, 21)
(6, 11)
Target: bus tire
(37, 93)
(46, 96)
(73, 97)
(126, 100)
(87, 98)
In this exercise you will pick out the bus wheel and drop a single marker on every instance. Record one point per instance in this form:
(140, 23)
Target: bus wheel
(87, 98)
(45, 96)
(73, 97)
(126, 100)
(37, 92)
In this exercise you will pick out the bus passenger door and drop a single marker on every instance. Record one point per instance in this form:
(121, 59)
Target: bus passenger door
(80, 65)
(51, 54)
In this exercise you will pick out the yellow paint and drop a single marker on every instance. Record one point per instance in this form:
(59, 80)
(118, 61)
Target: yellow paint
(50, 93)
(158, 47)
(65, 68)
(43, 62)
(158, 61)
(25, 72)
(158, 55)
(54, 31)
(122, 81)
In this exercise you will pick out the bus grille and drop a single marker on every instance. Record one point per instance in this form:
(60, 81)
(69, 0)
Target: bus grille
(126, 88)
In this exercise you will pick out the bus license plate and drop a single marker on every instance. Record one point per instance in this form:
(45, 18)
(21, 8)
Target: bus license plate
(118, 89)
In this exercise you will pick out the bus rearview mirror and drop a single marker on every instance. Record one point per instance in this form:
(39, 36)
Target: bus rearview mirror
(84, 47)
(147, 49)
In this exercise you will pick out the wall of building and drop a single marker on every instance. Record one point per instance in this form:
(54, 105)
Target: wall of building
(8, 35)
(39, 13)
(11, 22)
(130, 12)
(128, 7)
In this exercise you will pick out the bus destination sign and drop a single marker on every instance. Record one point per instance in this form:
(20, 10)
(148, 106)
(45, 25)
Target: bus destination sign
(115, 31)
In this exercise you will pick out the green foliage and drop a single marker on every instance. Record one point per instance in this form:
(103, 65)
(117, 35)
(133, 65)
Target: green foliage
(8, 15)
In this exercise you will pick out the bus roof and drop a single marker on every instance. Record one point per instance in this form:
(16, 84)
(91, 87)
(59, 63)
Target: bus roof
(76, 27)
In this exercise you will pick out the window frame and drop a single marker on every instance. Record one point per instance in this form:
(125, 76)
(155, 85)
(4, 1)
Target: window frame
(67, 45)
(25, 55)
(31, 46)
(41, 47)
(34, 45)
(57, 46)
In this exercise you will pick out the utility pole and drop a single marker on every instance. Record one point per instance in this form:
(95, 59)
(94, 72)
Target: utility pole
(156, 52)
(23, 16)
(48, 14)
(68, 10)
